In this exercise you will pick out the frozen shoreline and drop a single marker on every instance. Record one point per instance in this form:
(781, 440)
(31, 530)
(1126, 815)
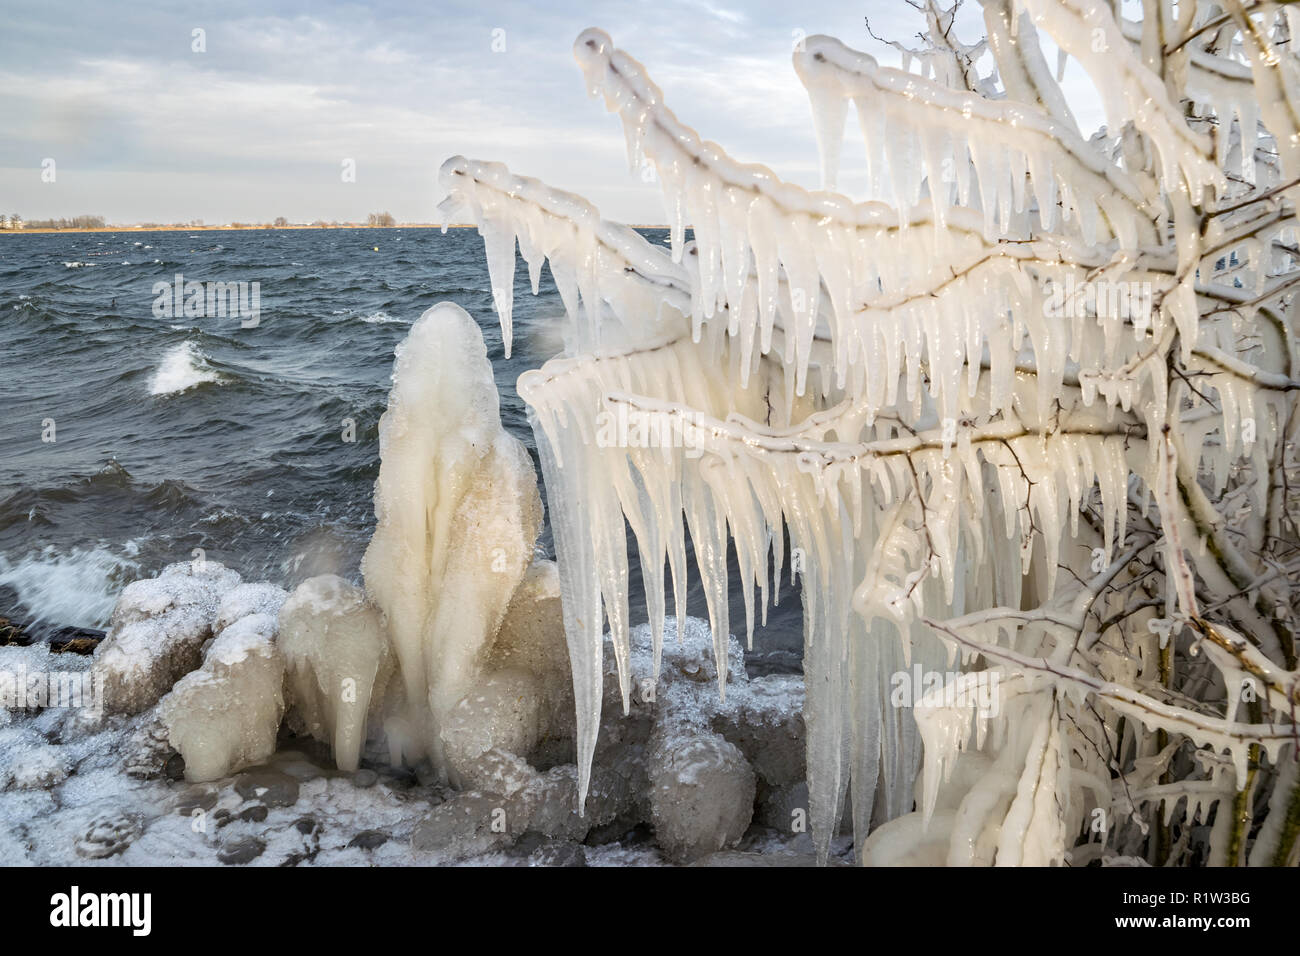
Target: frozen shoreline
(81, 790)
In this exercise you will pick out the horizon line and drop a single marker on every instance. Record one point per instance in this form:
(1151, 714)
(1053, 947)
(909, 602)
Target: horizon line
(245, 227)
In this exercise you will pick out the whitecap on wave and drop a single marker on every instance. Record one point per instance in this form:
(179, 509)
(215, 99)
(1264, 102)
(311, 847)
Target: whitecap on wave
(183, 367)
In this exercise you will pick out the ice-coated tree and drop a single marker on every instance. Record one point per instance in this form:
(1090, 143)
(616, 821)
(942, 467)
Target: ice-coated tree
(1025, 420)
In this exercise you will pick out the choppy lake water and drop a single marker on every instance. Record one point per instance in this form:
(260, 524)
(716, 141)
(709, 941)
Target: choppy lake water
(174, 433)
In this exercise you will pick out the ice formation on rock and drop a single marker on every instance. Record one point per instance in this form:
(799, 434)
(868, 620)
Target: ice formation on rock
(34, 767)
(457, 513)
(225, 716)
(1027, 414)
(701, 794)
(157, 632)
(337, 661)
(531, 638)
(519, 712)
(695, 769)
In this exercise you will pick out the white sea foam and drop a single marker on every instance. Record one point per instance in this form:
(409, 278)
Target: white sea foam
(379, 318)
(77, 588)
(182, 368)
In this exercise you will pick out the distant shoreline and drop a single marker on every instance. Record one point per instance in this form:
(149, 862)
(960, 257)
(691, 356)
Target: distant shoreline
(248, 228)
(405, 225)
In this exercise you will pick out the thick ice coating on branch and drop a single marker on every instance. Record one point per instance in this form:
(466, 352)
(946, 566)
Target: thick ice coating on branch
(1001, 156)
(1022, 421)
(592, 260)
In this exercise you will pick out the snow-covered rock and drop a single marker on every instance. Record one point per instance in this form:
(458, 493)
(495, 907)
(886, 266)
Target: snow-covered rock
(764, 717)
(200, 584)
(29, 763)
(249, 598)
(157, 632)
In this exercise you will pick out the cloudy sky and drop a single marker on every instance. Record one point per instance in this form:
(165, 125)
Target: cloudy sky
(142, 127)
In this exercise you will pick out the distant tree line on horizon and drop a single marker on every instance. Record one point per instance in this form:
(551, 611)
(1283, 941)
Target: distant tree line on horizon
(76, 222)
(14, 221)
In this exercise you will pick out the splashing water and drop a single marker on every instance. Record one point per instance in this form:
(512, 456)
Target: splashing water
(183, 367)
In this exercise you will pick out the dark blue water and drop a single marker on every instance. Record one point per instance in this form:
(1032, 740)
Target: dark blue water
(174, 433)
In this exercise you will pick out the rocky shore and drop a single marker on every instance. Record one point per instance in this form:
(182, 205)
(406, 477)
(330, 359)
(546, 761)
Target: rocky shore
(683, 778)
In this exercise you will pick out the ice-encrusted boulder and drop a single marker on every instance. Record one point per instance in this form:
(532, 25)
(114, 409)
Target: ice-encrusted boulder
(521, 708)
(764, 718)
(225, 716)
(478, 821)
(39, 769)
(27, 762)
(707, 759)
(338, 661)
(498, 720)
(457, 512)
(198, 584)
(157, 633)
(531, 638)
(677, 760)
(701, 793)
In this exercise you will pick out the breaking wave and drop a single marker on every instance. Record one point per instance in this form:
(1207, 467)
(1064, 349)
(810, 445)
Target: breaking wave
(183, 367)
(76, 588)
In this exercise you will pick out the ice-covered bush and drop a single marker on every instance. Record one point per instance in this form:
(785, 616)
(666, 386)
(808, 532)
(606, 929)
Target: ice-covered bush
(1027, 413)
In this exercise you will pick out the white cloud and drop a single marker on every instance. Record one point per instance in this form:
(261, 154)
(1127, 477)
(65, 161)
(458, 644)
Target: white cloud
(257, 125)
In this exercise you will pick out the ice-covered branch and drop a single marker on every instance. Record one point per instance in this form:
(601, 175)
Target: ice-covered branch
(591, 258)
(1130, 91)
(923, 132)
(1222, 735)
(994, 415)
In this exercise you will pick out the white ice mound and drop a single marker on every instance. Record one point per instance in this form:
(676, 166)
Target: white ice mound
(246, 599)
(457, 513)
(197, 584)
(225, 715)
(338, 662)
(157, 633)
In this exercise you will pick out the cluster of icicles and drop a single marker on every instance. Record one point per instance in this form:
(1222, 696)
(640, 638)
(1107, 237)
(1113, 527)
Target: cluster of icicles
(947, 398)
